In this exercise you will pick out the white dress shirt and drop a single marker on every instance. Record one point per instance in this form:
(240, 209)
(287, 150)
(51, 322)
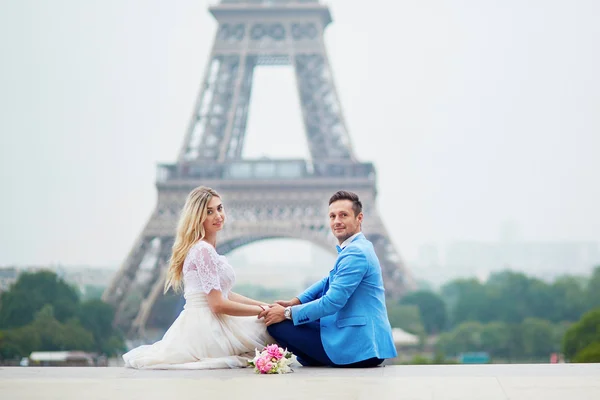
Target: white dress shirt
(350, 239)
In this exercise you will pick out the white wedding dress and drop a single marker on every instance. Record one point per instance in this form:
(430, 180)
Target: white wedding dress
(200, 339)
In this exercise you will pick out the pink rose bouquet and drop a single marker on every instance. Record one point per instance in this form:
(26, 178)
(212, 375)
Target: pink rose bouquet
(272, 360)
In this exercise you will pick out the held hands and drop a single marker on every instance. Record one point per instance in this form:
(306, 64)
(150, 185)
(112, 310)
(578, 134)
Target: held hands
(285, 303)
(273, 314)
(289, 303)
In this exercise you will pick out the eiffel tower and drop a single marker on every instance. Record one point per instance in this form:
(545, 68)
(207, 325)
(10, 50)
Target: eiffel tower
(265, 198)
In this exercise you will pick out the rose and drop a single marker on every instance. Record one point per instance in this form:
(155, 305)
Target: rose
(264, 364)
(275, 351)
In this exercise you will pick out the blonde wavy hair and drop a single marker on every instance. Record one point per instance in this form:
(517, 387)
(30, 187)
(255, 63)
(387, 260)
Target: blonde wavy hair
(190, 230)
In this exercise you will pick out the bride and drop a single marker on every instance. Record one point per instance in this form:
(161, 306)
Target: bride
(217, 327)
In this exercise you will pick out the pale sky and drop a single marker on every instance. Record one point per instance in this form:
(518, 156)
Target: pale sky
(474, 112)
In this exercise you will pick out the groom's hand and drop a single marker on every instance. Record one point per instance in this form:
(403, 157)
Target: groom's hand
(264, 312)
(274, 314)
(292, 302)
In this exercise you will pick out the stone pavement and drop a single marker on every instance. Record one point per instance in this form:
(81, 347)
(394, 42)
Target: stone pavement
(461, 382)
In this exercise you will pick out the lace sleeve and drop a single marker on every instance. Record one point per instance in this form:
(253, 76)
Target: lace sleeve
(206, 268)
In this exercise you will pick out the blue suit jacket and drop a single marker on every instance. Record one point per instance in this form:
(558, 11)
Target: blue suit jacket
(350, 304)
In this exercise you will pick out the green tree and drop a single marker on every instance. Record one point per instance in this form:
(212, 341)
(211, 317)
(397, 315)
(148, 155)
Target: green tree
(76, 337)
(593, 289)
(45, 333)
(570, 301)
(19, 342)
(56, 336)
(42, 312)
(431, 307)
(97, 317)
(584, 333)
(589, 354)
(542, 301)
(496, 338)
(467, 301)
(30, 293)
(538, 338)
(466, 337)
(510, 296)
(560, 330)
(113, 346)
(407, 318)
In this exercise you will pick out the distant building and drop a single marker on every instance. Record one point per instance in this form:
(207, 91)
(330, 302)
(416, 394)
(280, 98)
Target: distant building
(86, 276)
(536, 257)
(545, 260)
(60, 359)
(404, 339)
(8, 276)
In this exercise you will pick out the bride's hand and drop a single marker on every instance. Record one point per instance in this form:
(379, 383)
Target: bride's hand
(284, 303)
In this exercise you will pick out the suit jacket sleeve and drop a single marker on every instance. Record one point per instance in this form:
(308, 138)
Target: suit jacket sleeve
(313, 292)
(351, 268)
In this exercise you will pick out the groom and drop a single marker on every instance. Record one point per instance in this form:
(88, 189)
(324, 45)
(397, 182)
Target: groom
(342, 320)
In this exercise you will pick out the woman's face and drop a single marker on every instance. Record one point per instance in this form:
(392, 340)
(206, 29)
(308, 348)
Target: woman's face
(215, 216)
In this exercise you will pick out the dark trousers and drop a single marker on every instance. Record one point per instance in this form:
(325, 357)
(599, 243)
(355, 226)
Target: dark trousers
(305, 342)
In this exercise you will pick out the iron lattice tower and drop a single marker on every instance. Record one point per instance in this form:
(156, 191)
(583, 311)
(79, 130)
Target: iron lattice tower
(265, 198)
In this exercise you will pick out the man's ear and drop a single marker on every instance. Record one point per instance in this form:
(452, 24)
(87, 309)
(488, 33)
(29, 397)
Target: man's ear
(360, 217)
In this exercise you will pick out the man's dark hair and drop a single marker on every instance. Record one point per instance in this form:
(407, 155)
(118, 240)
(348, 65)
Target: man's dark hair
(344, 195)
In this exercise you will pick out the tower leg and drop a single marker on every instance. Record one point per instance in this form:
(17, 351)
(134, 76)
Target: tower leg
(124, 278)
(153, 288)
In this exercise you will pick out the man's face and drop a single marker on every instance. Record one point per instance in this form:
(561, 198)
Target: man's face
(342, 220)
